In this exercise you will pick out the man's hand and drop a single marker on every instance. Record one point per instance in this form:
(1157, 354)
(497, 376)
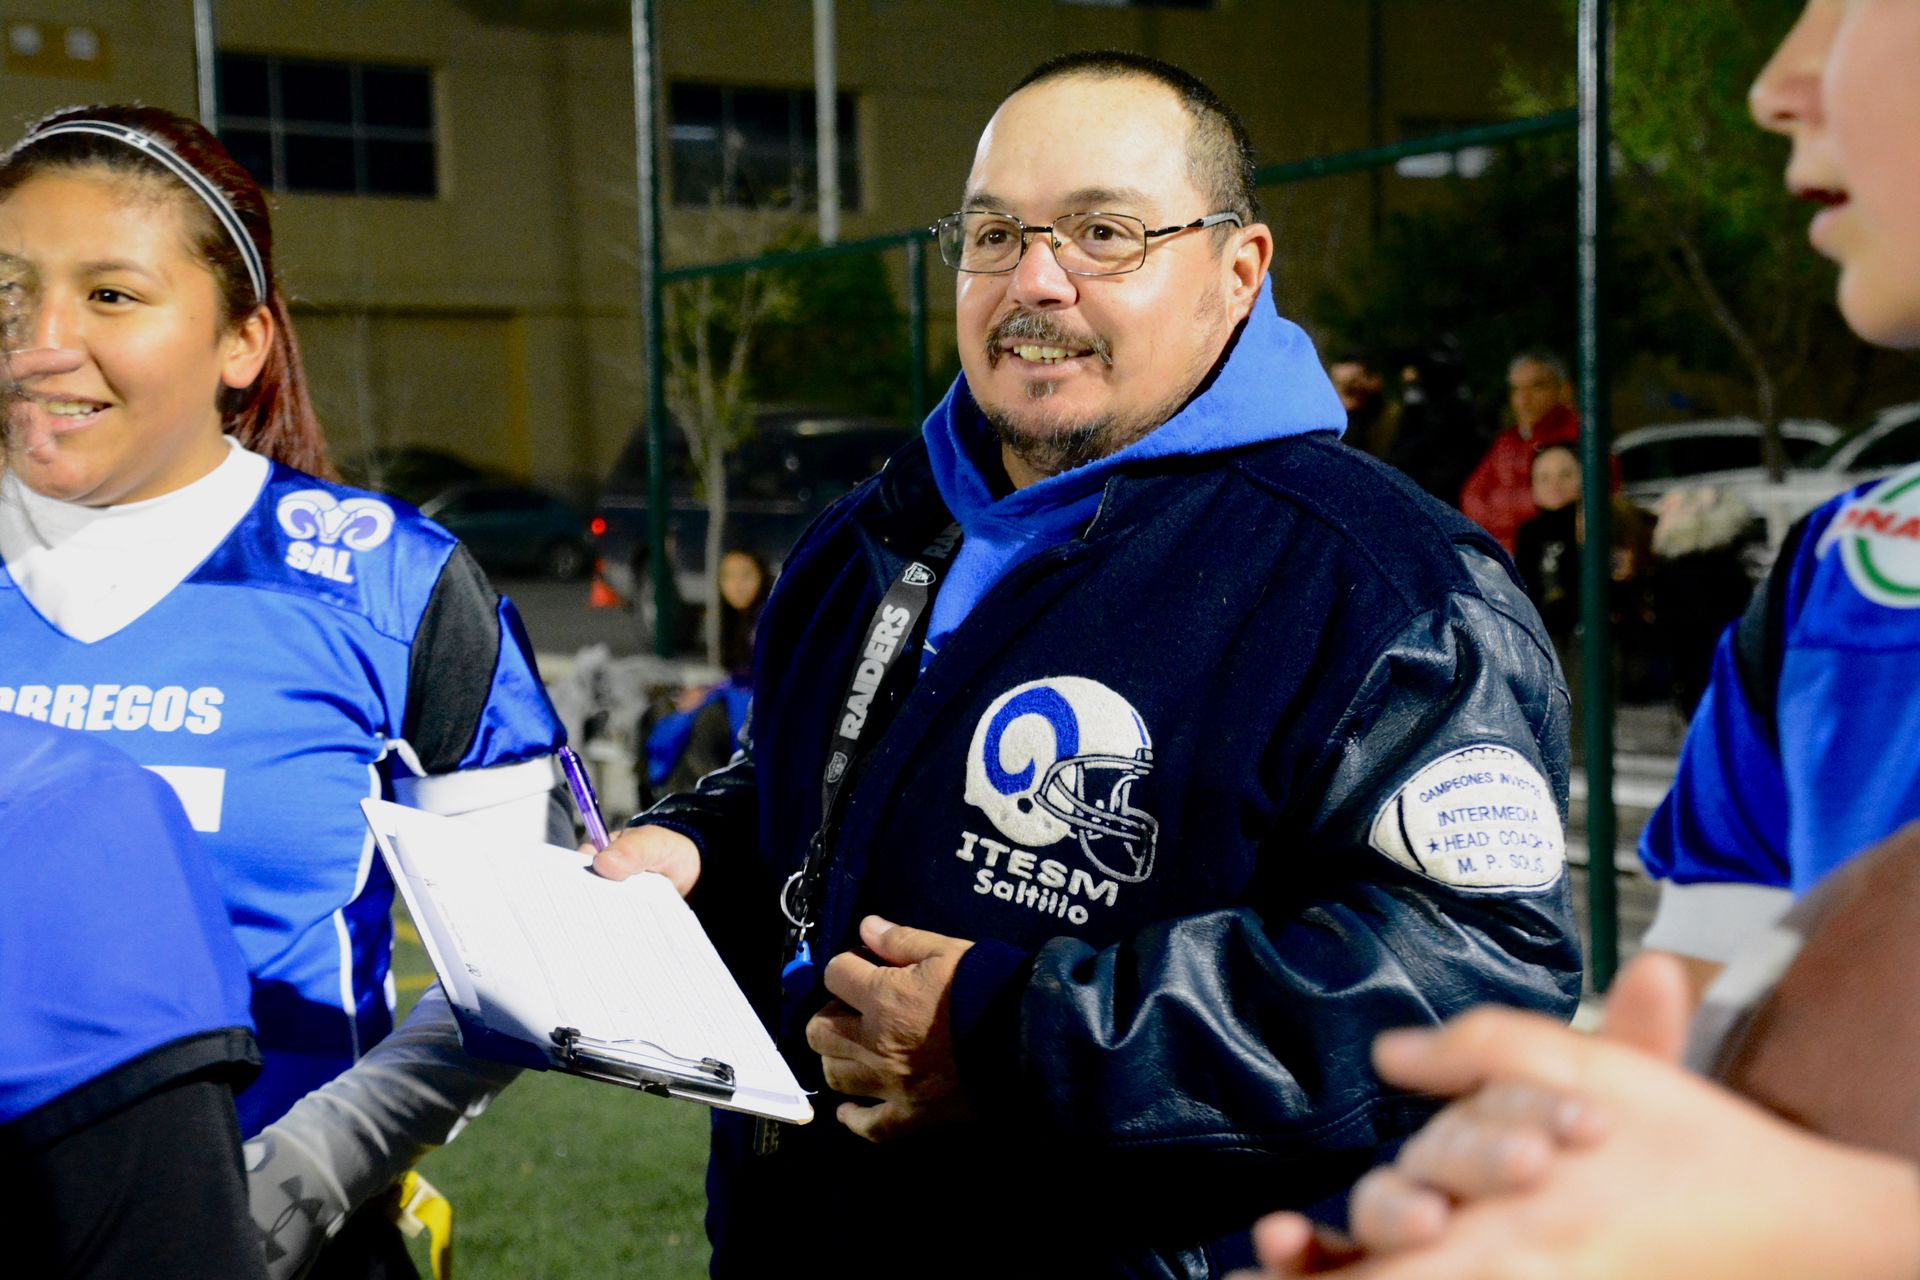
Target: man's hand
(1670, 1175)
(887, 1037)
(654, 849)
(42, 362)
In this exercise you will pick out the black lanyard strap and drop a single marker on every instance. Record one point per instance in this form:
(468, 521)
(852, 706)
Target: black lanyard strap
(892, 638)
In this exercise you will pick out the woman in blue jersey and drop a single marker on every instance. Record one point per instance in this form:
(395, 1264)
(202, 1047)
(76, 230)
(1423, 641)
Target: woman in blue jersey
(180, 575)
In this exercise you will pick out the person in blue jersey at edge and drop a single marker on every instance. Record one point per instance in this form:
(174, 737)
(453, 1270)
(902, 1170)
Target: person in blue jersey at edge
(119, 1147)
(1571, 1156)
(179, 576)
(1801, 753)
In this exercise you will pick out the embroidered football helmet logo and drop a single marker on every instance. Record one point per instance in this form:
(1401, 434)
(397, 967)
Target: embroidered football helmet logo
(1060, 757)
(317, 516)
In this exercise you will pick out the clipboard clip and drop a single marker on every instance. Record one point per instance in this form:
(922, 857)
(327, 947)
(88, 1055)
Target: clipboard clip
(701, 1077)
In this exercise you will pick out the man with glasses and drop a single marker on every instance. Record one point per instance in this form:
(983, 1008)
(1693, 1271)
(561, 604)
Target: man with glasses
(1123, 758)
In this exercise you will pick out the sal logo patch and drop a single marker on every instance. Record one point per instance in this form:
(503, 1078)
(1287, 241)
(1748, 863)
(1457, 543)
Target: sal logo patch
(1878, 534)
(328, 530)
(1480, 818)
(1053, 762)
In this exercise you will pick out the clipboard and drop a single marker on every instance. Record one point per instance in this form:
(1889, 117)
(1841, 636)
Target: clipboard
(550, 967)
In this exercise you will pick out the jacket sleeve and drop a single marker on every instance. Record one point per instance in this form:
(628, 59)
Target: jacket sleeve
(735, 897)
(1246, 1031)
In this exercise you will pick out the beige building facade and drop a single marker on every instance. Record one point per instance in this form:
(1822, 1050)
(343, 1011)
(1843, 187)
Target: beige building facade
(497, 317)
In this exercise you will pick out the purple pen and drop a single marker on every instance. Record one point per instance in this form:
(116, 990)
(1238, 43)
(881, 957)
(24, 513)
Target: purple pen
(583, 797)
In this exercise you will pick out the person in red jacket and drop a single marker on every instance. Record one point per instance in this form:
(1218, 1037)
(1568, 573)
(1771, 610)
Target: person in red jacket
(1498, 496)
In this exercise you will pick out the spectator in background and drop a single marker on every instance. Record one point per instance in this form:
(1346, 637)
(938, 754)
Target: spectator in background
(699, 734)
(1548, 554)
(1499, 494)
(1547, 547)
(1700, 581)
(1363, 394)
(1438, 435)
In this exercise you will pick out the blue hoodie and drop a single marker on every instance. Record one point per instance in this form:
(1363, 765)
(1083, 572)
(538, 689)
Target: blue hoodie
(1271, 385)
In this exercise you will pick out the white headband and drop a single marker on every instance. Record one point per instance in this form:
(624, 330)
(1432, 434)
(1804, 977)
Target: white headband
(212, 196)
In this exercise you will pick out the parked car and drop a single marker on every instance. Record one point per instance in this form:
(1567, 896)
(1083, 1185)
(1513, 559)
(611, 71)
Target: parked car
(1723, 452)
(794, 463)
(1889, 441)
(508, 526)
(514, 527)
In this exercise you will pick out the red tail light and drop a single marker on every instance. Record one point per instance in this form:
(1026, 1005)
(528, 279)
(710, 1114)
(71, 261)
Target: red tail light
(598, 526)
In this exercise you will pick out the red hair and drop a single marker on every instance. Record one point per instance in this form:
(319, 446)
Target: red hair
(274, 415)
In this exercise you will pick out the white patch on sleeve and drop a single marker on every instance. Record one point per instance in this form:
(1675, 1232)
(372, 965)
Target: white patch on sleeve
(1480, 819)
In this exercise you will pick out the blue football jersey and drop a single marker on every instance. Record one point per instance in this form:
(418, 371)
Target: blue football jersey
(333, 639)
(99, 876)
(1802, 753)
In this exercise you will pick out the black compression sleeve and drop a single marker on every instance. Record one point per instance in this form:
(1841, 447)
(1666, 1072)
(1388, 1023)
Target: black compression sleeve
(1760, 637)
(155, 1190)
(450, 673)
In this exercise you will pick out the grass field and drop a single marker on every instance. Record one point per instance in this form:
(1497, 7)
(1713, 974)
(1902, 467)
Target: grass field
(566, 1178)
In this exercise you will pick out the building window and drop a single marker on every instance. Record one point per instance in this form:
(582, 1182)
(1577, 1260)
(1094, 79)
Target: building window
(754, 148)
(1467, 162)
(350, 128)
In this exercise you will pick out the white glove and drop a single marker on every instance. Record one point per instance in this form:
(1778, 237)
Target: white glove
(354, 1136)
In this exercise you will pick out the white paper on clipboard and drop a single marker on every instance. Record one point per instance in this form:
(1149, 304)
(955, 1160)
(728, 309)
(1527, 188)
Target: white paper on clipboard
(528, 942)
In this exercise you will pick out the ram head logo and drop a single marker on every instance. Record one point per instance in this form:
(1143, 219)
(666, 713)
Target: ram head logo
(317, 516)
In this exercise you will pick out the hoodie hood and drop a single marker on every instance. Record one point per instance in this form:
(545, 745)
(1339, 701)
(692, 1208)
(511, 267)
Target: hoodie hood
(1270, 385)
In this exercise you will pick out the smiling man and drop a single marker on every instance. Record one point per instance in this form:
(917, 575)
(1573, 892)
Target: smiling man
(1124, 757)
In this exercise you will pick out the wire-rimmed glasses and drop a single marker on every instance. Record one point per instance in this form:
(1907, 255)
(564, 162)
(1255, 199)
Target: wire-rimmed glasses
(983, 242)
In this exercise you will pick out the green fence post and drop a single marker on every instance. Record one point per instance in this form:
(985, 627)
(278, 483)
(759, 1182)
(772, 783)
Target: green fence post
(652, 325)
(917, 326)
(1596, 495)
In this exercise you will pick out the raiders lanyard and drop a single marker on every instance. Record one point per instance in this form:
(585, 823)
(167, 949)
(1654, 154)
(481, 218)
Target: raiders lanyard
(893, 636)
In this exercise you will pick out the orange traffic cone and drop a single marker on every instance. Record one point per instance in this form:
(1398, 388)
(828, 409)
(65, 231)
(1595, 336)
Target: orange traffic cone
(602, 596)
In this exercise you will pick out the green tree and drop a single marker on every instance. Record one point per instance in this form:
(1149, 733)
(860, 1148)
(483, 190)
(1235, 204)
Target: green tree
(1699, 194)
(1709, 263)
(841, 341)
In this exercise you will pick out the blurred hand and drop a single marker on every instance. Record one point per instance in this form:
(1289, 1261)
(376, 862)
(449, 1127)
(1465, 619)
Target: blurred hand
(888, 1036)
(42, 362)
(1657, 1173)
(656, 849)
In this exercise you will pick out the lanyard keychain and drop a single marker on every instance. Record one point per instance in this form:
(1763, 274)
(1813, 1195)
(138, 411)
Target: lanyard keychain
(892, 635)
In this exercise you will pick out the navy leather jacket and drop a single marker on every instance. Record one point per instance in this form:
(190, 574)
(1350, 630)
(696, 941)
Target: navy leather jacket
(1270, 759)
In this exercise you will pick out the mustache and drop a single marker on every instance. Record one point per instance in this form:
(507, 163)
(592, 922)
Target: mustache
(1039, 327)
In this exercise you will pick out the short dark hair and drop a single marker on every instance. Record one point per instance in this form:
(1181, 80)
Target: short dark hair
(1219, 153)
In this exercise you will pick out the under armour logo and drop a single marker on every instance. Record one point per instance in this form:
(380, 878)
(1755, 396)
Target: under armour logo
(917, 575)
(309, 1206)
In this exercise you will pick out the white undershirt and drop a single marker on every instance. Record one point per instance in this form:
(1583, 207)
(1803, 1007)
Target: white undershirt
(92, 571)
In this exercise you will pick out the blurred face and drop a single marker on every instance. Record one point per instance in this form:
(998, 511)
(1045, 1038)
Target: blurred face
(1556, 479)
(1843, 86)
(101, 267)
(1068, 368)
(1357, 385)
(1534, 391)
(739, 580)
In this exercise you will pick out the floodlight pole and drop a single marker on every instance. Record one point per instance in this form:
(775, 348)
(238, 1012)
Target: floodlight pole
(1596, 491)
(652, 323)
(826, 121)
(205, 50)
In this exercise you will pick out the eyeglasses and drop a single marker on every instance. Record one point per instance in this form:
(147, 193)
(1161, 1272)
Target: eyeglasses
(1085, 244)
